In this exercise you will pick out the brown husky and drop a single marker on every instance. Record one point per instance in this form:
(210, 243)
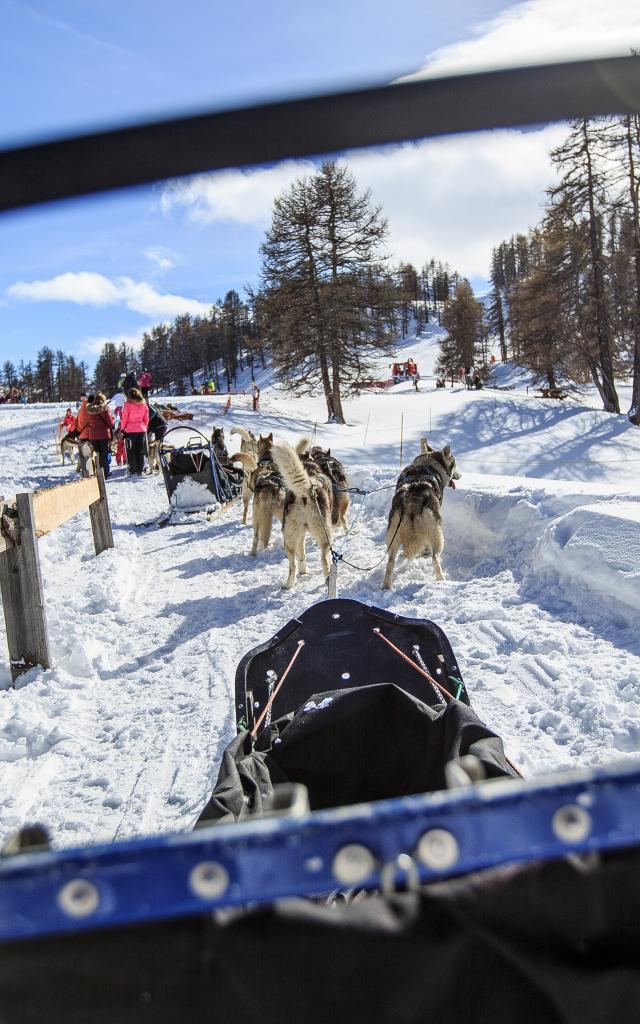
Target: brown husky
(267, 487)
(249, 446)
(308, 507)
(334, 469)
(415, 522)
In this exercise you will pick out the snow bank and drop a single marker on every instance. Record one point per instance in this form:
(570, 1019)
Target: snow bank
(593, 555)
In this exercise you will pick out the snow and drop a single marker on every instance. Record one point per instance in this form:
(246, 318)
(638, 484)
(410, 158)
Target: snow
(123, 736)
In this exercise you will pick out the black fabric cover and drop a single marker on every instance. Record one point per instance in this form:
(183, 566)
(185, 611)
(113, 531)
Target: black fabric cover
(368, 743)
(545, 944)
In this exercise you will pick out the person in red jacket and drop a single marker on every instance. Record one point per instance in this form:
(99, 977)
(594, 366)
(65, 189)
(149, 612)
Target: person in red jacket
(70, 425)
(99, 429)
(133, 423)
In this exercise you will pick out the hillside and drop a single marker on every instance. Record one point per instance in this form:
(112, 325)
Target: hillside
(124, 735)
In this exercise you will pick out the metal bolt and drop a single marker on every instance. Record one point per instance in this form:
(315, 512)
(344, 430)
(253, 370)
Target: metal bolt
(405, 867)
(438, 849)
(79, 898)
(352, 864)
(571, 823)
(209, 880)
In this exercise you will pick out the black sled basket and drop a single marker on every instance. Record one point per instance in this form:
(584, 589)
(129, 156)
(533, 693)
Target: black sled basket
(347, 645)
(192, 472)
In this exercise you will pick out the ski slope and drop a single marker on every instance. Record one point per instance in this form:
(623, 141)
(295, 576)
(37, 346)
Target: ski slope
(124, 735)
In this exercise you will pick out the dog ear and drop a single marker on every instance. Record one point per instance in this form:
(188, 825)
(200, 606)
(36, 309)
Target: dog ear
(270, 437)
(446, 451)
(425, 447)
(328, 452)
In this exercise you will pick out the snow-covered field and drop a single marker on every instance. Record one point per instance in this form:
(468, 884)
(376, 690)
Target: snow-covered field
(542, 603)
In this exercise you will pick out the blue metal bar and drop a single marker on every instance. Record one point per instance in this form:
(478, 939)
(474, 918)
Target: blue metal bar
(264, 859)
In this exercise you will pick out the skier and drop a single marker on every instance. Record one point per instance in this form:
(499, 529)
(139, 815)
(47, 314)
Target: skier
(255, 392)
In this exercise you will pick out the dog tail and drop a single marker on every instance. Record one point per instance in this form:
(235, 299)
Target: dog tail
(248, 461)
(244, 434)
(293, 472)
(303, 445)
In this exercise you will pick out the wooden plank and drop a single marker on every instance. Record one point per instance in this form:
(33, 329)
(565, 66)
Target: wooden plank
(55, 505)
(100, 518)
(23, 596)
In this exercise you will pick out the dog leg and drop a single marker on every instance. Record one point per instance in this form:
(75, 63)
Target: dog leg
(302, 559)
(245, 502)
(290, 582)
(256, 532)
(437, 568)
(388, 576)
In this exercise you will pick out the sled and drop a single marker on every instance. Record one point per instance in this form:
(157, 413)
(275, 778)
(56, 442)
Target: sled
(476, 895)
(193, 475)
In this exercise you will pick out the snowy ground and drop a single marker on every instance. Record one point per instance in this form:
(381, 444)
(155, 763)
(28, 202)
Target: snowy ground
(124, 735)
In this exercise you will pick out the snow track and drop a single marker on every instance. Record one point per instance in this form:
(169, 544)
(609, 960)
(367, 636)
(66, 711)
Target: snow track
(124, 735)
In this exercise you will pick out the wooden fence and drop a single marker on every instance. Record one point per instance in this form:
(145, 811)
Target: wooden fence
(24, 519)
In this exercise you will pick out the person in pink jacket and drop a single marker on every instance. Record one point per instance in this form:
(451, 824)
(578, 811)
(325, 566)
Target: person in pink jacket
(133, 424)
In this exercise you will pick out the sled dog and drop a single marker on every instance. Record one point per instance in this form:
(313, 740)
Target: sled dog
(308, 507)
(248, 445)
(415, 520)
(154, 456)
(267, 487)
(334, 469)
(68, 447)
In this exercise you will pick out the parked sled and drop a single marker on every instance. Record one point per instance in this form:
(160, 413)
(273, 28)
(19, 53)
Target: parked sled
(192, 473)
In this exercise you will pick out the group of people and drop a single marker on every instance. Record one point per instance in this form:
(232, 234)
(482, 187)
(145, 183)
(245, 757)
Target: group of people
(129, 418)
(13, 396)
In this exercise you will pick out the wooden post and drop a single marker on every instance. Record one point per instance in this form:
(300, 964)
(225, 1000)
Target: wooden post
(23, 596)
(100, 518)
(366, 430)
(333, 580)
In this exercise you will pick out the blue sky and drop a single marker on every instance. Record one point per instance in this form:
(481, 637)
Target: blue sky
(81, 272)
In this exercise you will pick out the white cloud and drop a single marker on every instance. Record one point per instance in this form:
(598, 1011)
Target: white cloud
(542, 31)
(94, 345)
(89, 289)
(162, 257)
(242, 197)
(454, 199)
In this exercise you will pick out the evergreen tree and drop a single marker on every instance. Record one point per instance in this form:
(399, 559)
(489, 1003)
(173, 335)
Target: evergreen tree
(581, 199)
(462, 317)
(325, 293)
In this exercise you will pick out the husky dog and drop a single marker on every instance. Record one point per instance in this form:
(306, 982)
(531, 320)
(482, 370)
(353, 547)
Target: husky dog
(248, 445)
(267, 487)
(415, 522)
(249, 441)
(334, 469)
(154, 455)
(308, 507)
(68, 447)
(87, 464)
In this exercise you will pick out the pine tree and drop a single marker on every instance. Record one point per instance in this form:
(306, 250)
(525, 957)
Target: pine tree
(325, 293)
(581, 198)
(462, 317)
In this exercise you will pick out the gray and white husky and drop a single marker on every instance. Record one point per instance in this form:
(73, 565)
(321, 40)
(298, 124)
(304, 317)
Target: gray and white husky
(308, 507)
(415, 520)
